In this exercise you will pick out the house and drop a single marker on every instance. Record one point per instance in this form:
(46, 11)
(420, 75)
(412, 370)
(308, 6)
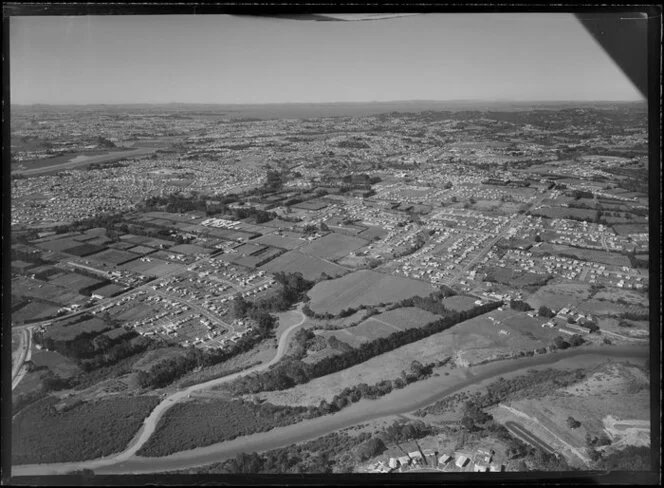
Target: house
(404, 460)
(480, 468)
(444, 459)
(461, 461)
(495, 468)
(393, 463)
(416, 456)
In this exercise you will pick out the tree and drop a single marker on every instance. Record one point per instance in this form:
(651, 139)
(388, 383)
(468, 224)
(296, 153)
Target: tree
(324, 227)
(576, 340)
(240, 306)
(572, 423)
(560, 343)
(371, 448)
(545, 311)
(454, 199)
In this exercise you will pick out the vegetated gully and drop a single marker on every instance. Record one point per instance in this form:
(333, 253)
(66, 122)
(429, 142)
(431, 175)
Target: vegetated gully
(413, 397)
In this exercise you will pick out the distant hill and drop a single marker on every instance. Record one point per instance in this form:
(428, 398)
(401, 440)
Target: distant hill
(310, 110)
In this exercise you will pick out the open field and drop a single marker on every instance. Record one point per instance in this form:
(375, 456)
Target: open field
(620, 294)
(471, 342)
(45, 291)
(59, 245)
(35, 310)
(624, 229)
(382, 325)
(154, 267)
(514, 277)
(333, 246)
(595, 256)
(566, 213)
(86, 431)
(75, 281)
(56, 362)
(559, 295)
(364, 288)
(286, 241)
(112, 257)
(310, 266)
(459, 303)
(59, 332)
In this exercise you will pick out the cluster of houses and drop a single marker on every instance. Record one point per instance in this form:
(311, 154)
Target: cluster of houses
(481, 461)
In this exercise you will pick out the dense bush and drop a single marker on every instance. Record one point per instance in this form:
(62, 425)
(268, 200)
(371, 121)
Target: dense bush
(41, 434)
(202, 423)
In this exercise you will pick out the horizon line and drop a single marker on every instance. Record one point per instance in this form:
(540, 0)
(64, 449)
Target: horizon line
(348, 102)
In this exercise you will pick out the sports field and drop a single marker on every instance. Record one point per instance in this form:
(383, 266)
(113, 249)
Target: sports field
(364, 287)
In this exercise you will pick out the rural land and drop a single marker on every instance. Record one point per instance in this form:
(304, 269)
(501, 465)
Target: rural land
(346, 288)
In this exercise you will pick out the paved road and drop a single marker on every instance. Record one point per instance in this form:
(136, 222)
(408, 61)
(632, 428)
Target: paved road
(413, 397)
(19, 370)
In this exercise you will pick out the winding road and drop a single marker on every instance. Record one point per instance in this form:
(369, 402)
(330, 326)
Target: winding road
(413, 397)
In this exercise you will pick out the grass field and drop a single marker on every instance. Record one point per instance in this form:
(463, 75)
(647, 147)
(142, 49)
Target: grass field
(515, 277)
(75, 281)
(559, 295)
(624, 229)
(595, 256)
(154, 267)
(56, 362)
(112, 257)
(287, 241)
(459, 303)
(310, 266)
(59, 332)
(42, 290)
(566, 213)
(35, 310)
(333, 246)
(364, 288)
(42, 435)
(382, 325)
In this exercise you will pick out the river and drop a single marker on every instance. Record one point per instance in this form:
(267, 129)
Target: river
(413, 397)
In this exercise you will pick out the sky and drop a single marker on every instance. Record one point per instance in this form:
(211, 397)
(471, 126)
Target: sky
(230, 59)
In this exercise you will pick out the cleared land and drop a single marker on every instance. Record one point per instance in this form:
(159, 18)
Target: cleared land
(612, 390)
(333, 246)
(364, 288)
(310, 266)
(86, 431)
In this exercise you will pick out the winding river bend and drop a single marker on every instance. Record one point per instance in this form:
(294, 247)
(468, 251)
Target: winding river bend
(411, 398)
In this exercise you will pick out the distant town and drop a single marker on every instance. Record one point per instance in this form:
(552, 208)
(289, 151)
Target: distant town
(461, 290)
